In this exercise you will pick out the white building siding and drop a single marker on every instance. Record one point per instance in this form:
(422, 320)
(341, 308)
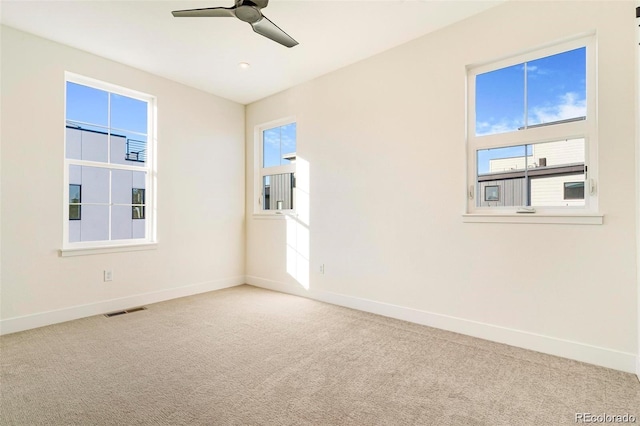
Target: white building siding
(549, 192)
(556, 153)
(96, 182)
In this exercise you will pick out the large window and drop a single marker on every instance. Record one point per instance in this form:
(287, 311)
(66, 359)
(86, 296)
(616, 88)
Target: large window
(108, 165)
(277, 166)
(531, 132)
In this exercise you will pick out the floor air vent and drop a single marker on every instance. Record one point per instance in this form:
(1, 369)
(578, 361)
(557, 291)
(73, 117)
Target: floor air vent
(126, 311)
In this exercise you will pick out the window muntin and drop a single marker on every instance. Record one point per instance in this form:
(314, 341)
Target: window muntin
(107, 152)
(556, 112)
(277, 166)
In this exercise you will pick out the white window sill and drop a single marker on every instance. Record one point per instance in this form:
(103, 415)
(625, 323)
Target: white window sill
(85, 251)
(274, 215)
(569, 219)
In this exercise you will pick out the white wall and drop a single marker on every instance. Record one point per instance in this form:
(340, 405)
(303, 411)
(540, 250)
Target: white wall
(200, 192)
(384, 140)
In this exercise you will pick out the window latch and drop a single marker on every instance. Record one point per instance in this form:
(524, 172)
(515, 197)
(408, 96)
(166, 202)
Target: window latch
(592, 186)
(471, 190)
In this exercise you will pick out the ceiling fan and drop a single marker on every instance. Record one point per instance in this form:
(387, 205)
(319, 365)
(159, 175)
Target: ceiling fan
(247, 11)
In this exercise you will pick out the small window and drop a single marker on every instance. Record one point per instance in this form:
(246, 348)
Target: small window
(75, 200)
(277, 169)
(492, 193)
(574, 190)
(137, 199)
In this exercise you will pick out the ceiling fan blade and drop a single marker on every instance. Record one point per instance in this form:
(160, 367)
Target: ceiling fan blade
(270, 30)
(211, 12)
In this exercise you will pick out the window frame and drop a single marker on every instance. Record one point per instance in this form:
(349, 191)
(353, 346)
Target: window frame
(149, 169)
(535, 134)
(260, 172)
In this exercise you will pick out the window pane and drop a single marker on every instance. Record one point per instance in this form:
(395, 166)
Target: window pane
(279, 145)
(128, 114)
(86, 104)
(530, 175)
(556, 87)
(500, 100)
(271, 147)
(278, 191)
(502, 176)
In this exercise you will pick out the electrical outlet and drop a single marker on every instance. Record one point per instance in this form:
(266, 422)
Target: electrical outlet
(108, 275)
(322, 269)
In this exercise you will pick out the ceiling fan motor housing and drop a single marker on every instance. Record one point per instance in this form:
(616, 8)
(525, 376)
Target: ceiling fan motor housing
(250, 14)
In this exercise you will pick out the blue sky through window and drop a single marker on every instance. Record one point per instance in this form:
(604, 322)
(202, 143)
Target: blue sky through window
(556, 90)
(89, 105)
(277, 143)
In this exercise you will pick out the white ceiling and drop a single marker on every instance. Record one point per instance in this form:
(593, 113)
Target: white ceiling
(205, 52)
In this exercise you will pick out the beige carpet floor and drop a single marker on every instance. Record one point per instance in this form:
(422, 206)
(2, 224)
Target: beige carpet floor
(247, 356)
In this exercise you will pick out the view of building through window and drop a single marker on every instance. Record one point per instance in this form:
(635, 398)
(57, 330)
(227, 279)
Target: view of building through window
(106, 156)
(531, 175)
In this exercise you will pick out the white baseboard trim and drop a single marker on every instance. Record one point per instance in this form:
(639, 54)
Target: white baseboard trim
(604, 357)
(27, 322)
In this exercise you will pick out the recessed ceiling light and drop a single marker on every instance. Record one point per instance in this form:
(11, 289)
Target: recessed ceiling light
(244, 65)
